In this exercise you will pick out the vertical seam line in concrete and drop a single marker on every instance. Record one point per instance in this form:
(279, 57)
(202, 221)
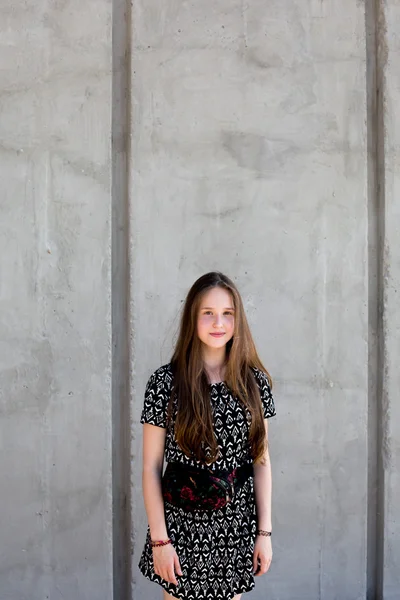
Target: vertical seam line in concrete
(376, 56)
(121, 413)
(381, 60)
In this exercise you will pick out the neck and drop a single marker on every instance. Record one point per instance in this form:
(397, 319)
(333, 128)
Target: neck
(214, 358)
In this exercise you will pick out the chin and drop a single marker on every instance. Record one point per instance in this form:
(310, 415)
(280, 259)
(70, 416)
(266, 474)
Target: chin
(218, 343)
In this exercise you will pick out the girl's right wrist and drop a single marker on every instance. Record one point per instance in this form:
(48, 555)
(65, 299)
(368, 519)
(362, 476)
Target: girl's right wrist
(160, 543)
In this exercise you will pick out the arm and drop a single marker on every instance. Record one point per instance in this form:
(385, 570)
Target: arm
(153, 458)
(262, 489)
(166, 562)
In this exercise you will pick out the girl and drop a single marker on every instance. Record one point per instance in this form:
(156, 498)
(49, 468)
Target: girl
(206, 413)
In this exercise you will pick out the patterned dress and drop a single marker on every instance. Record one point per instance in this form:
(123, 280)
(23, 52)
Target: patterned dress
(215, 549)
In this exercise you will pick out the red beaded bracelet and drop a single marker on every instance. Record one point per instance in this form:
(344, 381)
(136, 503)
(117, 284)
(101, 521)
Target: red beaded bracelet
(157, 543)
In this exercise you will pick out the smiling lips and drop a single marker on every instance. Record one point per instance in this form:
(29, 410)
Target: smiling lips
(217, 334)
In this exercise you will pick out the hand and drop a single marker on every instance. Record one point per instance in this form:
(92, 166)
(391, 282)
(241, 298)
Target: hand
(166, 563)
(262, 556)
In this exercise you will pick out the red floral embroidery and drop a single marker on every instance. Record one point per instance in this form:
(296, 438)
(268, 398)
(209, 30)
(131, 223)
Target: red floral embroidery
(198, 491)
(187, 493)
(168, 496)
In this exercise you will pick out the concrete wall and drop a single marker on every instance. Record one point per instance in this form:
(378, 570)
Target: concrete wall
(55, 467)
(261, 141)
(258, 148)
(250, 156)
(390, 181)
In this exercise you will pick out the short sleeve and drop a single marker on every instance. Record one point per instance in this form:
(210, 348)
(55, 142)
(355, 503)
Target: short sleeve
(267, 400)
(156, 398)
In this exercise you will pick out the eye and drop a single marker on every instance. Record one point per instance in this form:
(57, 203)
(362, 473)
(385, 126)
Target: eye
(228, 312)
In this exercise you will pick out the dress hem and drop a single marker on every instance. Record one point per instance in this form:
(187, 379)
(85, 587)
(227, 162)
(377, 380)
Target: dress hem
(167, 587)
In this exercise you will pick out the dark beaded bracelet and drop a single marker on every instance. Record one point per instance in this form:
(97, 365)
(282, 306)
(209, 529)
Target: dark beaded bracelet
(262, 532)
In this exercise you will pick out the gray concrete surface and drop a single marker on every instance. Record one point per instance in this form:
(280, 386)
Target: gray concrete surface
(55, 467)
(248, 138)
(250, 155)
(391, 413)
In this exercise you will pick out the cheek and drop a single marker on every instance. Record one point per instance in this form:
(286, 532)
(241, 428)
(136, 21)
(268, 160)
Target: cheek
(230, 323)
(203, 323)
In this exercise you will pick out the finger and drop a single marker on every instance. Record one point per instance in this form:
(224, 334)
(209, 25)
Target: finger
(255, 563)
(171, 576)
(167, 576)
(268, 562)
(260, 571)
(263, 568)
(177, 565)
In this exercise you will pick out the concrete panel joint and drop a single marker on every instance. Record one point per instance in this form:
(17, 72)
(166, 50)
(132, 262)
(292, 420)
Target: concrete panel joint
(121, 484)
(376, 58)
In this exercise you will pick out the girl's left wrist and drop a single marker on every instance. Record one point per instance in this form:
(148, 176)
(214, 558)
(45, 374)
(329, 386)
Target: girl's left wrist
(264, 532)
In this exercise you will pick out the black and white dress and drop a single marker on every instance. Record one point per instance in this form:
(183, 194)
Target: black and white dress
(215, 549)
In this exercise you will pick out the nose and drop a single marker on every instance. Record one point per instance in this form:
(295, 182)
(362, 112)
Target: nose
(217, 321)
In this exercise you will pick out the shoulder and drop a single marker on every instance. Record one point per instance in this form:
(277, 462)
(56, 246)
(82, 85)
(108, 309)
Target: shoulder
(261, 378)
(264, 385)
(161, 378)
(156, 396)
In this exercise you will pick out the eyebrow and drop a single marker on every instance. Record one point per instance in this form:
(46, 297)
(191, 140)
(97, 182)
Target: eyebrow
(212, 308)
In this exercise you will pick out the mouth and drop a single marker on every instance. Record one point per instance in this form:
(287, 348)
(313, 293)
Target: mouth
(217, 334)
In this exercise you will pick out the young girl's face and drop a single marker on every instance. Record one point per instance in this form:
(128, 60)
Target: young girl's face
(216, 318)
